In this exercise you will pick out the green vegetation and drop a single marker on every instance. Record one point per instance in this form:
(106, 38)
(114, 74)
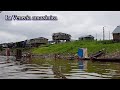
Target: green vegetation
(72, 47)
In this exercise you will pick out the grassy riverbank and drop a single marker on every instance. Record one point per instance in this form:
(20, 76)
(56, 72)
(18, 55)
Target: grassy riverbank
(72, 47)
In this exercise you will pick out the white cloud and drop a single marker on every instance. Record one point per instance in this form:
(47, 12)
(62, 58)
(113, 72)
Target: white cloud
(76, 23)
(9, 37)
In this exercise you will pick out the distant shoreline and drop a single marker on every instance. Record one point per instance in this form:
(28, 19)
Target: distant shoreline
(71, 48)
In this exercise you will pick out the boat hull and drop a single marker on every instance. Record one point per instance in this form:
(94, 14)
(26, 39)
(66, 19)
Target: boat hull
(102, 59)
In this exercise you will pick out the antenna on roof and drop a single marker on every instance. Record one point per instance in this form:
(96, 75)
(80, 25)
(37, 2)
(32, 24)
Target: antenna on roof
(104, 33)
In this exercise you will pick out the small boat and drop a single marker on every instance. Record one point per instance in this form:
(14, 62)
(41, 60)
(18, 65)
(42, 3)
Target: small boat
(107, 59)
(95, 57)
(102, 59)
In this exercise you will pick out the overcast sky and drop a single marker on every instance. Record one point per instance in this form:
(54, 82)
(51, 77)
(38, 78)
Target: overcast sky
(76, 23)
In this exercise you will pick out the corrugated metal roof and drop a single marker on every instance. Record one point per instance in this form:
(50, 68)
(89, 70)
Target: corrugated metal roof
(39, 38)
(87, 36)
(60, 33)
(116, 30)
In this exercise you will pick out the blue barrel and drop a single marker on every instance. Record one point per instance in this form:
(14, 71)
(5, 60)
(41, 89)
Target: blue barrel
(80, 52)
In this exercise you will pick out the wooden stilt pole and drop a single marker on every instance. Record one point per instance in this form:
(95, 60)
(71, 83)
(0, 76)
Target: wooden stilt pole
(18, 54)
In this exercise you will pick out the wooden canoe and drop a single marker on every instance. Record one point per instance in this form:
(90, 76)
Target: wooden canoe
(102, 59)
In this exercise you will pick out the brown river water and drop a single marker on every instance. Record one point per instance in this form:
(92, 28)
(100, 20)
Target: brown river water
(58, 69)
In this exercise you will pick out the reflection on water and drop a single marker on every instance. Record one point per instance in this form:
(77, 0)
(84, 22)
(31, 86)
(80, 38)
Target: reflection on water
(82, 65)
(58, 69)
